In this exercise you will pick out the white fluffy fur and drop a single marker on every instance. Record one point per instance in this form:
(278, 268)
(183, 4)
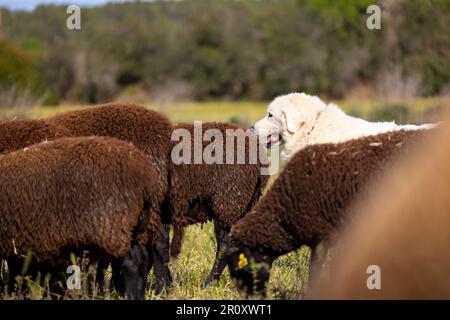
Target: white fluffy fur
(301, 120)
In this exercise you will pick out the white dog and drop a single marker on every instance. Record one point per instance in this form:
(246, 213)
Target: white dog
(297, 120)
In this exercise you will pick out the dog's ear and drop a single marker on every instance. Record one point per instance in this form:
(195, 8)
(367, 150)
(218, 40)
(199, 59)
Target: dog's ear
(297, 115)
(292, 120)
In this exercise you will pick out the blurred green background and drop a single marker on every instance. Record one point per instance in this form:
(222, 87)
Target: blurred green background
(224, 60)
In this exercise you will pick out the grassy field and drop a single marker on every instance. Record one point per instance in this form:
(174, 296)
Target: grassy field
(192, 267)
(402, 111)
(289, 275)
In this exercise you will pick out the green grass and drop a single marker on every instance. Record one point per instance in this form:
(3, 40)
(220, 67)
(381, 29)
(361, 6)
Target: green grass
(192, 267)
(402, 111)
(289, 273)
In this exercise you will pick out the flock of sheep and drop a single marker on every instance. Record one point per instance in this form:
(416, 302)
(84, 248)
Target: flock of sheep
(101, 180)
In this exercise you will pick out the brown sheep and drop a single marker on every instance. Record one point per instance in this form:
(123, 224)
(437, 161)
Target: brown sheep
(307, 203)
(149, 132)
(129, 122)
(71, 194)
(218, 192)
(18, 134)
(403, 228)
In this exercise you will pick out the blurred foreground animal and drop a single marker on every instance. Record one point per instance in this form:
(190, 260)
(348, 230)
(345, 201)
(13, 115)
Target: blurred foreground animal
(403, 228)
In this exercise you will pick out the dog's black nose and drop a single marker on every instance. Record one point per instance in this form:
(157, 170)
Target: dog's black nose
(252, 128)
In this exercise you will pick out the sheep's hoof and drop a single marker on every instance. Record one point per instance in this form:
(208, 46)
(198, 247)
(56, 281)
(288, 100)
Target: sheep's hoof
(159, 286)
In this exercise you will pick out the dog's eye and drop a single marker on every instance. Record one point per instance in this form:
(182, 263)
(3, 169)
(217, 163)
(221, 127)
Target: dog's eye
(269, 115)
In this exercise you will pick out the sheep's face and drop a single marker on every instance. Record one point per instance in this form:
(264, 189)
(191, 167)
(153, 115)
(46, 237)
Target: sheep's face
(249, 269)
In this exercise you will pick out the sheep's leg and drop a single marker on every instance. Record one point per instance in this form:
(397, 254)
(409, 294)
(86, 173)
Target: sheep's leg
(316, 260)
(56, 284)
(16, 275)
(4, 281)
(220, 261)
(2, 275)
(134, 270)
(160, 251)
(102, 266)
(115, 278)
(14, 269)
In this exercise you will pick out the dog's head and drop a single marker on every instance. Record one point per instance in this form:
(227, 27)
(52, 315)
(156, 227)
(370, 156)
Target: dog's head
(286, 115)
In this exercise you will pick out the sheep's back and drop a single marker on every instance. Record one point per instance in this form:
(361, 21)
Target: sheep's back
(148, 130)
(18, 134)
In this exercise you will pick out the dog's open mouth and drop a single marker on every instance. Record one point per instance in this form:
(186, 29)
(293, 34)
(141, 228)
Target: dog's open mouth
(272, 140)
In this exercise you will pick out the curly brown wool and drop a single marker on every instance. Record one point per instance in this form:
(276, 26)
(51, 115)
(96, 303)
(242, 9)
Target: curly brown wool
(18, 134)
(193, 195)
(146, 129)
(71, 194)
(200, 192)
(308, 201)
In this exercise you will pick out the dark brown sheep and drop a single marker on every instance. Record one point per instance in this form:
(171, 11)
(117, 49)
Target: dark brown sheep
(307, 203)
(403, 228)
(149, 132)
(18, 134)
(218, 192)
(72, 194)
